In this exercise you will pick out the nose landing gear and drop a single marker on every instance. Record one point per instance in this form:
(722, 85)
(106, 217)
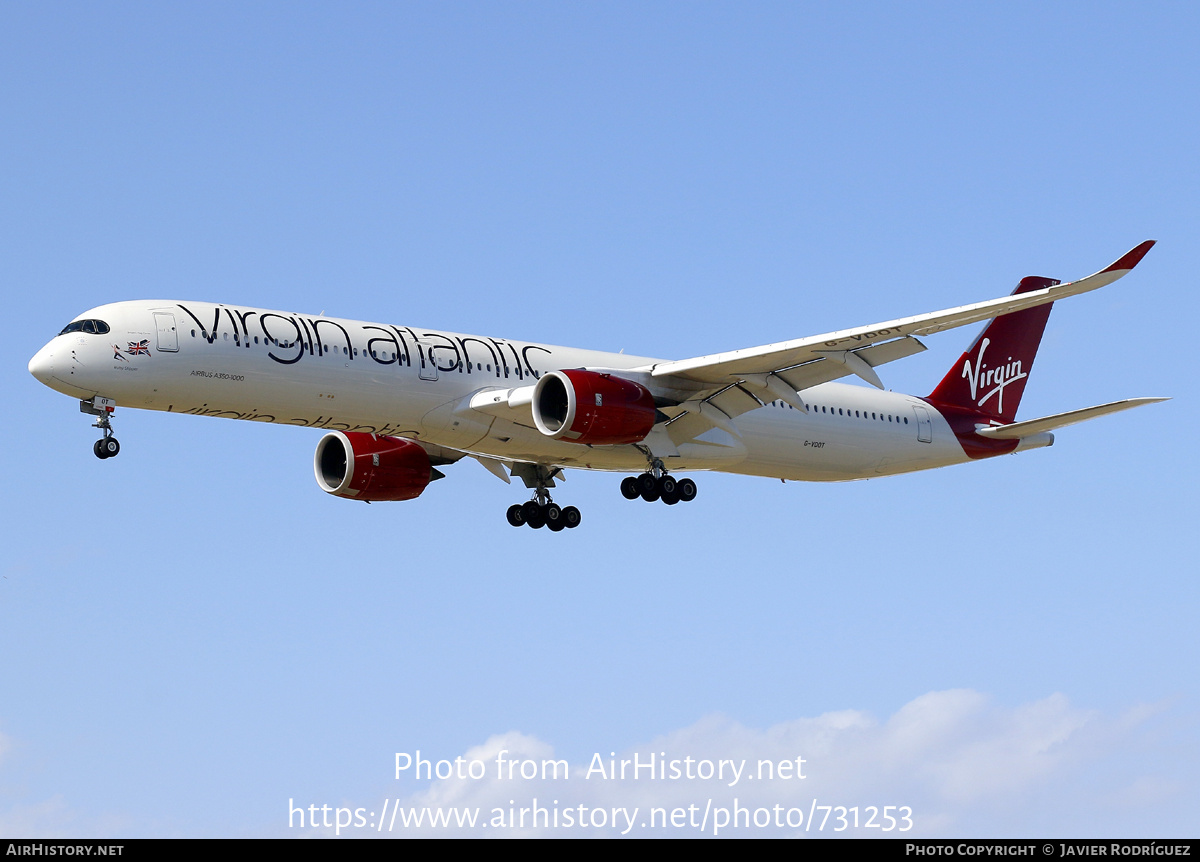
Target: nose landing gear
(107, 446)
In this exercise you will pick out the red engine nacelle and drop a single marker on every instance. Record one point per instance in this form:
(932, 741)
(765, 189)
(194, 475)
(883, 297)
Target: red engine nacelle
(589, 407)
(366, 467)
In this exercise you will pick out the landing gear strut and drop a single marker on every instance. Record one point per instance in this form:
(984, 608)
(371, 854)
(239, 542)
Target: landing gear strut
(107, 446)
(541, 511)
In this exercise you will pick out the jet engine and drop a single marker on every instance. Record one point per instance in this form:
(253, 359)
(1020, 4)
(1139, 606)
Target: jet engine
(372, 468)
(592, 408)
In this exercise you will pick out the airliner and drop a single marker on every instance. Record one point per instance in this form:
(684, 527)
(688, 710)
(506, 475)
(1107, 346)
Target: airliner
(397, 403)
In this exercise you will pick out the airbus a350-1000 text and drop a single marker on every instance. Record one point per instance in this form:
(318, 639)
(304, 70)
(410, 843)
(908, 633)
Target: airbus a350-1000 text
(398, 402)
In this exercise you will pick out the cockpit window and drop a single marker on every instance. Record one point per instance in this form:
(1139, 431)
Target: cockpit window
(91, 327)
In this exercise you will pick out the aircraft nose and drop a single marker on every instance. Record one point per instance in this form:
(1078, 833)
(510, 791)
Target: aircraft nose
(42, 365)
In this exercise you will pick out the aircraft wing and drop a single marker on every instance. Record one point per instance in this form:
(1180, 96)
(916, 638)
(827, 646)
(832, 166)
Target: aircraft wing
(1020, 430)
(711, 391)
(722, 386)
(847, 345)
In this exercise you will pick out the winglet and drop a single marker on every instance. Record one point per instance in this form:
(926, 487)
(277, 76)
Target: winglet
(1131, 259)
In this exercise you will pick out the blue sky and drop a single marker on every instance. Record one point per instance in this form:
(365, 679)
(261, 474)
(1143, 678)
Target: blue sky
(194, 634)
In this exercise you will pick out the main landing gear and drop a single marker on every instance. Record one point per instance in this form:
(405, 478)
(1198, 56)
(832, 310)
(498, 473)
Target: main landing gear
(655, 484)
(538, 515)
(541, 511)
(107, 446)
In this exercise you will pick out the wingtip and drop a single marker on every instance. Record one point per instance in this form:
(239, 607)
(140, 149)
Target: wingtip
(1132, 258)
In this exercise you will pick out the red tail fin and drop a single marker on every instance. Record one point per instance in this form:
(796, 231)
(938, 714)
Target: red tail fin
(990, 377)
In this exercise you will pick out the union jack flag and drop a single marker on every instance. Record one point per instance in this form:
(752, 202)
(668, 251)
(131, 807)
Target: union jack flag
(139, 347)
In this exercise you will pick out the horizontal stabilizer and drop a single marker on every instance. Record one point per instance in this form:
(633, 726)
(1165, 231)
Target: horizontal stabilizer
(1020, 430)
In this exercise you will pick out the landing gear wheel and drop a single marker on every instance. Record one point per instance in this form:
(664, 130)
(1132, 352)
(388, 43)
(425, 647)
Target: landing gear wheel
(672, 498)
(106, 447)
(99, 452)
(648, 487)
(629, 488)
(666, 486)
(571, 517)
(686, 489)
(553, 516)
(535, 515)
(516, 515)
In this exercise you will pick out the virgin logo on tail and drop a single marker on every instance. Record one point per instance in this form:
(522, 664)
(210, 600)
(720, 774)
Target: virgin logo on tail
(997, 378)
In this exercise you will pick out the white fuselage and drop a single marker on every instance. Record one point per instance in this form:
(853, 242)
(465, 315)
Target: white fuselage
(320, 372)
